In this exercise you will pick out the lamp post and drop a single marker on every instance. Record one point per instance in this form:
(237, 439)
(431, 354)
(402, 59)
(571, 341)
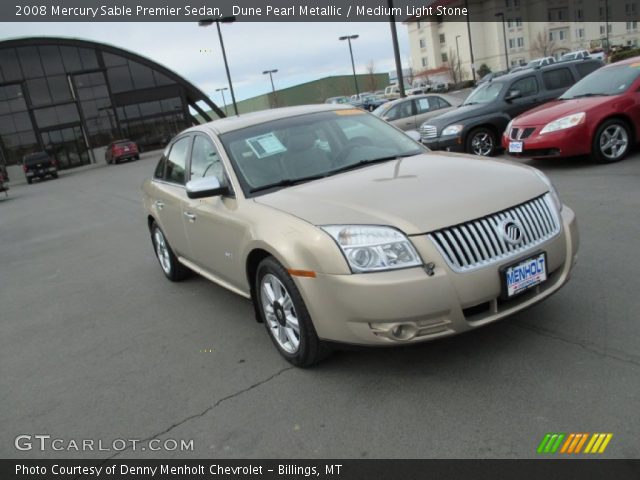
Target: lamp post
(458, 55)
(348, 38)
(273, 88)
(210, 21)
(396, 48)
(221, 90)
(504, 37)
(473, 66)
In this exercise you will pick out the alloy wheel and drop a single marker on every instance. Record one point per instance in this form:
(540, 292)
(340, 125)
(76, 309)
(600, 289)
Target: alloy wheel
(162, 251)
(614, 142)
(482, 144)
(280, 314)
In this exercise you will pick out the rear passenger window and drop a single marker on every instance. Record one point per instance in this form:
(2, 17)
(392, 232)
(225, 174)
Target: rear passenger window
(526, 86)
(585, 68)
(177, 161)
(556, 79)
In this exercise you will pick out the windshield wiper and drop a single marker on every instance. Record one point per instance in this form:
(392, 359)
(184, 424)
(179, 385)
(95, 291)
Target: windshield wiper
(369, 162)
(584, 95)
(287, 182)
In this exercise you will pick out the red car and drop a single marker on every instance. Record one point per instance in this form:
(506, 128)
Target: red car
(121, 150)
(598, 116)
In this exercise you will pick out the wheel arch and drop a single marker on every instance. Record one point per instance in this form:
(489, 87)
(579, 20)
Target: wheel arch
(618, 116)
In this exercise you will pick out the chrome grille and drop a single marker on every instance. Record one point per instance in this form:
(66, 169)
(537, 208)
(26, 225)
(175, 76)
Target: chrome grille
(520, 134)
(428, 132)
(478, 243)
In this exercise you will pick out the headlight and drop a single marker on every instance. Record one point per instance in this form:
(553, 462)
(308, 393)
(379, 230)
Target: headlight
(552, 190)
(372, 248)
(452, 130)
(564, 122)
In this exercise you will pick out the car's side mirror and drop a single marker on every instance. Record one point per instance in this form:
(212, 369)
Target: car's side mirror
(512, 95)
(206, 187)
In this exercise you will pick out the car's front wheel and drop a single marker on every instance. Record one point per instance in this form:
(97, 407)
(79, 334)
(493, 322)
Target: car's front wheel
(169, 263)
(482, 142)
(612, 142)
(285, 315)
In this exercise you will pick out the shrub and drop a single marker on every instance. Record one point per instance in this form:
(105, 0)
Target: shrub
(624, 54)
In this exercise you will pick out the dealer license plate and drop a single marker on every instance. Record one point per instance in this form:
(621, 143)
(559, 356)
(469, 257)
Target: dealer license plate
(515, 147)
(525, 274)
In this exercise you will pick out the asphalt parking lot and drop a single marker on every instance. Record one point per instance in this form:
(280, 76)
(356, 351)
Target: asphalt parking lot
(96, 344)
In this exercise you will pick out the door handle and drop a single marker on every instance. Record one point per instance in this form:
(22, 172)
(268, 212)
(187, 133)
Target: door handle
(190, 216)
(159, 205)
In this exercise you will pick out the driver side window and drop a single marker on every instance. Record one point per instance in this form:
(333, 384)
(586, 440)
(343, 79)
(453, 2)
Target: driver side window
(205, 160)
(526, 86)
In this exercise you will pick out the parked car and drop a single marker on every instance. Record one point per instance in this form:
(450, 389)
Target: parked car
(440, 87)
(358, 238)
(39, 165)
(577, 55)
(337, 100)
(477, 125)
(541, 62)
(370, 102)
(120, 150)
(409, 113)
(598, 116)
(392, 91)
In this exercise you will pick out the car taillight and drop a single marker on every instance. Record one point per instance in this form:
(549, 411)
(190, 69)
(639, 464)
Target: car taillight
(24, 168)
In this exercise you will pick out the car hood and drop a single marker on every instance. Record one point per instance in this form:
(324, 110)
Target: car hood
(460, 114)
(416, 194)
(557, 109)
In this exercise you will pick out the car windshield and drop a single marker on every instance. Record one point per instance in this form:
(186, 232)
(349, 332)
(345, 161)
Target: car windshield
(302, 148)
(604, 81)
(484, 94)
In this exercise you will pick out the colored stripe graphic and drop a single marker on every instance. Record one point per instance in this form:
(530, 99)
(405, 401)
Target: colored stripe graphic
(573, 443)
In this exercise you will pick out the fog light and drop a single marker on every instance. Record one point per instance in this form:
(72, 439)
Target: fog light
(404, 331)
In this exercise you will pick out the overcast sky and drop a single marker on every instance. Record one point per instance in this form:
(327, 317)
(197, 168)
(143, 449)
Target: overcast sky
(300, 51)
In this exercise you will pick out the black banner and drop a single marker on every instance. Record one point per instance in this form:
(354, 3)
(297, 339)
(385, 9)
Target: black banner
(546, 469)
(558, 12)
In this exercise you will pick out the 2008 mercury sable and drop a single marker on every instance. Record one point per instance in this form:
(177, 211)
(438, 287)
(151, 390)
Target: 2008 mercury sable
(341, 228)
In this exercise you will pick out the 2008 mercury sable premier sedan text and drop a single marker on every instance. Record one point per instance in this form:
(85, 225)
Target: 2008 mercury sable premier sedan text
(341, 228)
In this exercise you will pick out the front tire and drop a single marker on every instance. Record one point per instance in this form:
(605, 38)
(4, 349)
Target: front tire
(612, 142)
(169, 263)
(285, 315)
(481, 142)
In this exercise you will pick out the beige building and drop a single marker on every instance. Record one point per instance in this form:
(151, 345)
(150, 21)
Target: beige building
(434, 43)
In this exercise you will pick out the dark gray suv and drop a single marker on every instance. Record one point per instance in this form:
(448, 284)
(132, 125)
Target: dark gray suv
(477, 125)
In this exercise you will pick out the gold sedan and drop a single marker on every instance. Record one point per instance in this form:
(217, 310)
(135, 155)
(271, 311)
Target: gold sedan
(342, 229)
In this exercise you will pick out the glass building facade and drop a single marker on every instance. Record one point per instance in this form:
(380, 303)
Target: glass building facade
(70, 96)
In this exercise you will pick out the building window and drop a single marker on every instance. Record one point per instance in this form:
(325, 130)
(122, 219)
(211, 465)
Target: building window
(445, 58)
(509, 23)
(507, 3)
(512, 43)
(632, 25)
(551, 36)
(580, 33)
(630, 7)
(418, 26)
(579, 14)
(423, 43)
(562, 35)
(516, 3)
(518, 21)
(424, 62)
(442, 39)
(520, 42)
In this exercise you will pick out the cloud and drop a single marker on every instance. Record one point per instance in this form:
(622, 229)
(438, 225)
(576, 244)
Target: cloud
(300, 51)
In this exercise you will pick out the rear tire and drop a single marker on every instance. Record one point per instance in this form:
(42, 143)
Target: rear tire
(286, 317)
(482, 142)
(171, 267)
(611, 142)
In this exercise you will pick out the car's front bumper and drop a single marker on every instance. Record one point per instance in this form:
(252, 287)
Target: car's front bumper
(364, 309)
(451, 143)
(569, 142)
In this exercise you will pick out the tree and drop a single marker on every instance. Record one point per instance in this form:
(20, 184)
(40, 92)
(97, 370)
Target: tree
(453, 63)
(543, 45)
(370, 81)
(483, 70)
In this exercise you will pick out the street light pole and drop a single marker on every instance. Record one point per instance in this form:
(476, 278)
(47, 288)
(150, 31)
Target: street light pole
(210, 21)
(504, 37)
(396, 49)
(348, 38)
(473, 66)
(273, 88)
(458, 55)
(221, 90)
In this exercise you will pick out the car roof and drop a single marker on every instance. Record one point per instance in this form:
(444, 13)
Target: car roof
(237, 122)
(527, 71)
(414, 97)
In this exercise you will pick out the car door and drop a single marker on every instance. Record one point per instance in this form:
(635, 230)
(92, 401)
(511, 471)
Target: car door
(213, 227)
(402, 115)
(529, 89)
(169, 193)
